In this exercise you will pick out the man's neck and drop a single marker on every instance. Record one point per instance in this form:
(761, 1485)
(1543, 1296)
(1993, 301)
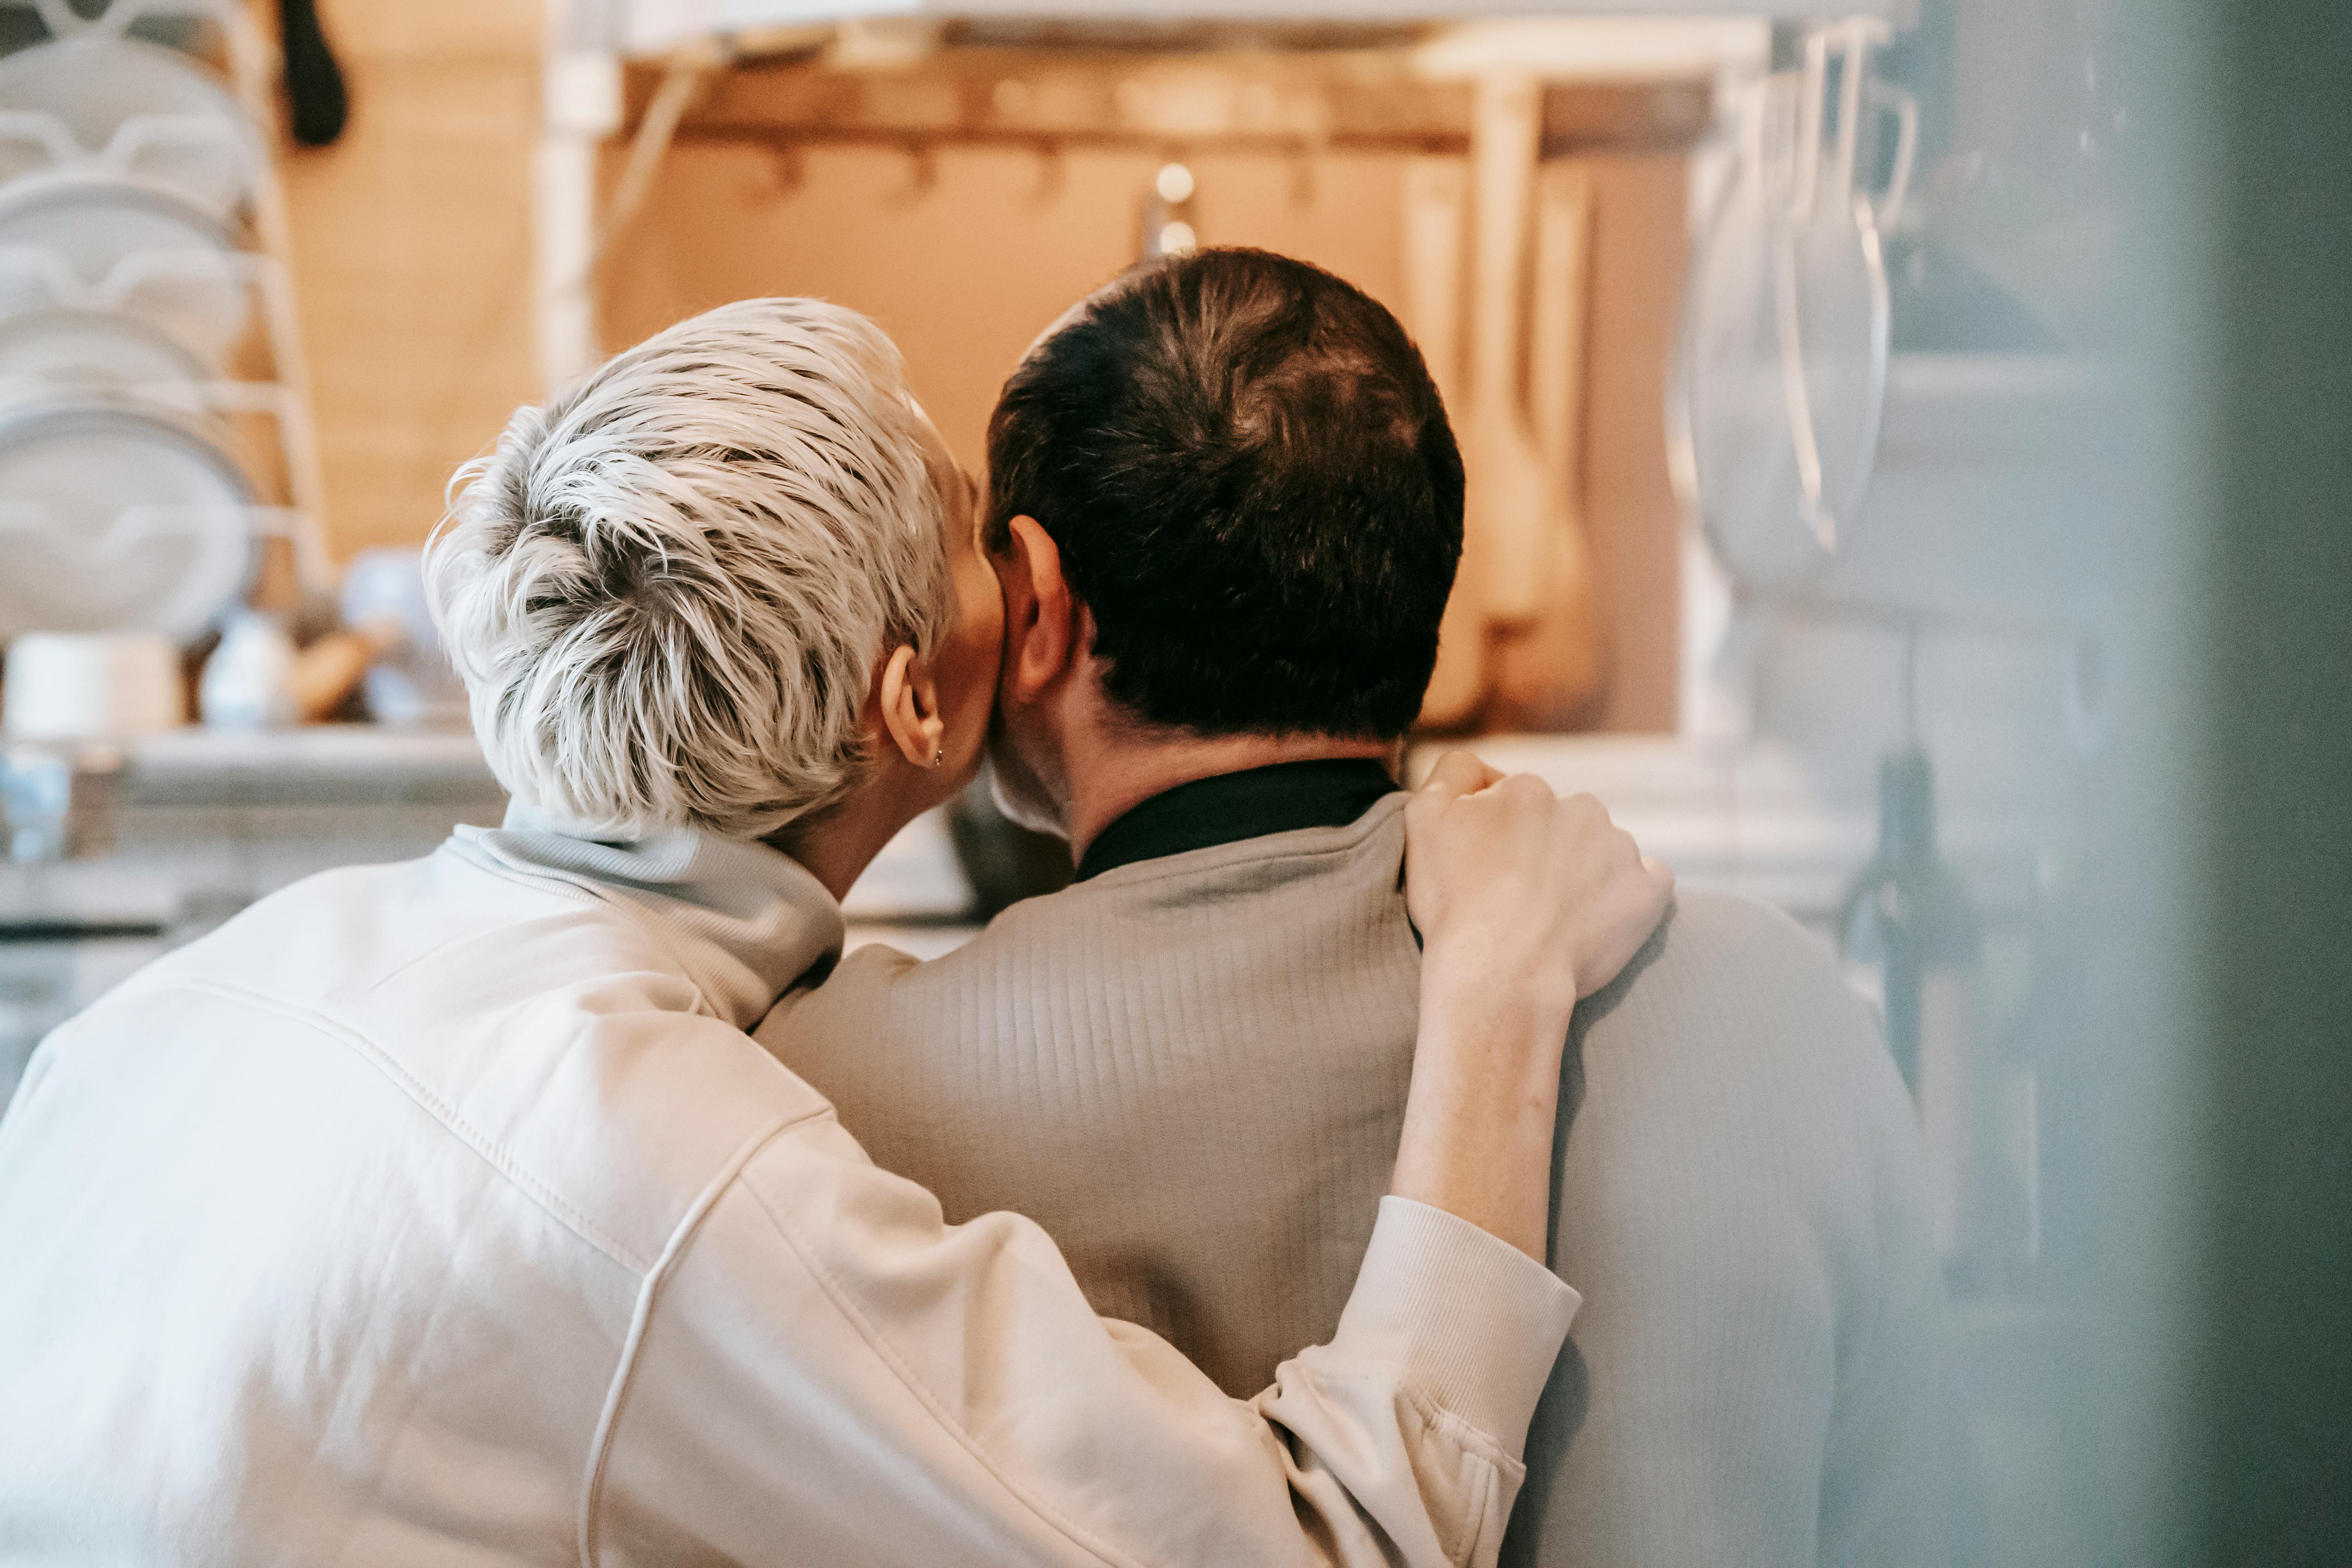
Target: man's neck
(1124, 772)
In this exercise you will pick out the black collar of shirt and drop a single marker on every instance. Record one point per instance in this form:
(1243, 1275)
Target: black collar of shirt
(1326, 792)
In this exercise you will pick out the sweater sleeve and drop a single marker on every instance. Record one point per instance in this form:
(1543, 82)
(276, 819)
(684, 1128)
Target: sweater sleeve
(823, 1371)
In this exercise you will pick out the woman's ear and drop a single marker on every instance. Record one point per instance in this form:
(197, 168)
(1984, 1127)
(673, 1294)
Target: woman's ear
(909, 700)
(1042, 630)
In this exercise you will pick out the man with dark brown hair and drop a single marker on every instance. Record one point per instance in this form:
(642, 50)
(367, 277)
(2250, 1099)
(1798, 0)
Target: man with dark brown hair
(1225, 508)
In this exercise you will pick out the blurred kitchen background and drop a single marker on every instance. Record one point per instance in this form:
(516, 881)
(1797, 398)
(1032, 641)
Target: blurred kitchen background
(1908, 449)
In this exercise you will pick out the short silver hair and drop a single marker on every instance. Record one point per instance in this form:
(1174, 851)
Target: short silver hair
(667, 587)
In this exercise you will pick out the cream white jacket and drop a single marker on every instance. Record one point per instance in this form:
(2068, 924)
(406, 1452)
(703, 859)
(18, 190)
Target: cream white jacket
(443, 1213)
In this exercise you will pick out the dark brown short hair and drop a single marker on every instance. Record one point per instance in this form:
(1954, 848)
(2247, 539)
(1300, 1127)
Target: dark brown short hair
(1254, 487)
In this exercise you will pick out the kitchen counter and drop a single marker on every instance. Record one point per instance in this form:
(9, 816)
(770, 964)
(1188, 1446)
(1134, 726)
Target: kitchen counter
(246, 813)
(203, 821)
(321, 766)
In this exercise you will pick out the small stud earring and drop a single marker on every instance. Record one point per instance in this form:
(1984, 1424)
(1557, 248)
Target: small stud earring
(938, 756)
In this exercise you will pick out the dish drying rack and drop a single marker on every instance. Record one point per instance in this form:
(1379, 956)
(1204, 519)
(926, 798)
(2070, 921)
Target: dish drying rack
(258, 267)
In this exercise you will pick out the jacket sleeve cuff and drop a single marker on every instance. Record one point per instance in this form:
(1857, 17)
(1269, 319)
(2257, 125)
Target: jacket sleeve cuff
(1472, 1323)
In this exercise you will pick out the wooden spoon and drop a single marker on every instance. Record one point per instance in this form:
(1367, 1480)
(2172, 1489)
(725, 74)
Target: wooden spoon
(1548, 673)
(1434, 192)
(1512, 495)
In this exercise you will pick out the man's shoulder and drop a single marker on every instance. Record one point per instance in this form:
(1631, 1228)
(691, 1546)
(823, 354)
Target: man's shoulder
(1733, 1045)
(1745, 926)
(1723, 965)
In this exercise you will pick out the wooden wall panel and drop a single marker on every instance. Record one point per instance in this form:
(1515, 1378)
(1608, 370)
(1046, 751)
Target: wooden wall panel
(965, 264)
(412, 254)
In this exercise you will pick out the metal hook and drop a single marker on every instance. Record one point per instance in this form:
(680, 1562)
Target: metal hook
(1911, 682)
(790, 169)
(1303, 186)
(922, 171)
(1053, 175)
(1812, 89)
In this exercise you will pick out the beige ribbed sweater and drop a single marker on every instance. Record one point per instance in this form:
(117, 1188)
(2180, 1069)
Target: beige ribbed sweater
(1190, 1070)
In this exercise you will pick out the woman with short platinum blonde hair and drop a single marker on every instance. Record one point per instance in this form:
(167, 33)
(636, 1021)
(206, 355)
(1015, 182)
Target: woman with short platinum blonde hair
(665, 588)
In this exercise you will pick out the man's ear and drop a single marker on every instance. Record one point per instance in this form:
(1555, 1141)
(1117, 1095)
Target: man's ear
(1045, 636)
(909, 699)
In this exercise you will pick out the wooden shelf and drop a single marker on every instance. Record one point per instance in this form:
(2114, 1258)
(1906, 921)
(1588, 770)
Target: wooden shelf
(651, 26)
(1047, 100)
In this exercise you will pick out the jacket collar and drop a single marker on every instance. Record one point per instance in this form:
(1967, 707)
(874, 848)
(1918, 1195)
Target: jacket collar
(743, 920)
(1226, 808)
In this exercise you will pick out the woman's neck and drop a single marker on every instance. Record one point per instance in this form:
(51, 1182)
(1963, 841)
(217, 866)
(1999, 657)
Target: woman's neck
(835, 845)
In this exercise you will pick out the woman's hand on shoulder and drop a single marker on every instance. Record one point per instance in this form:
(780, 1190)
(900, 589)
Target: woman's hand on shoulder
(1512, 884)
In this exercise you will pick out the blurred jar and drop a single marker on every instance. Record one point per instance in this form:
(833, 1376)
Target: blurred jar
(248, 683)
(411, 683)
(91, 686)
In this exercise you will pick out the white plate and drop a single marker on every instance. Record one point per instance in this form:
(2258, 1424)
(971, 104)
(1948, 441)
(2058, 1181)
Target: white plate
(76, 354)
(191, 282)
(194, 137)
(118, 519)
